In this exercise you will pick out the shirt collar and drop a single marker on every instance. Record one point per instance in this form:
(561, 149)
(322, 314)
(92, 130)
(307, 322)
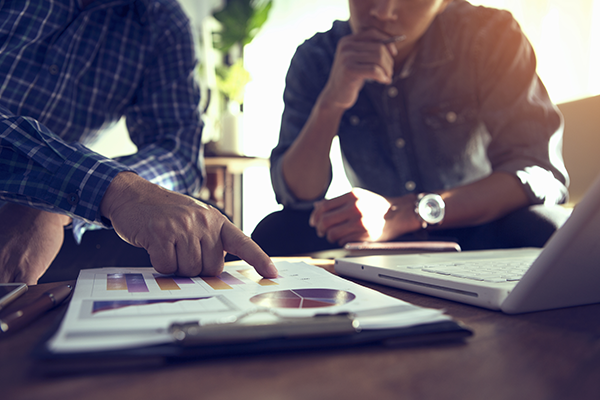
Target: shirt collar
(433, 49)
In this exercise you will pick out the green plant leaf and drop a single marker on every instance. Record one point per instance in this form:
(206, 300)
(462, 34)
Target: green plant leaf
(240, 20)
(232, 80)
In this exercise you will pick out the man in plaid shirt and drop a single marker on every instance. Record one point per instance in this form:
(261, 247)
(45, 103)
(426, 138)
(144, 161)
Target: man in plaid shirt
(68, 69)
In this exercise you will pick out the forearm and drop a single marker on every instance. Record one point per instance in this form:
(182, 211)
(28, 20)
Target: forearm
(483, 201)
(474, 204)
(125, 187)
(29, 240)
(21, 215)
(306, 165)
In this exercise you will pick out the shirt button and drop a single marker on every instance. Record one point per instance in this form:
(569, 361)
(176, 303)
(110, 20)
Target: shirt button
(354, 120)
(53, 69)
(73, 199)
(451, 117)
(400, 143)
(410, 186)
(392, 92)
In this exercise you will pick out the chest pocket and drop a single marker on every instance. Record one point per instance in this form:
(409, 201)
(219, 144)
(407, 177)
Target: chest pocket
(449, 115)
(456, 140)
(359, 123)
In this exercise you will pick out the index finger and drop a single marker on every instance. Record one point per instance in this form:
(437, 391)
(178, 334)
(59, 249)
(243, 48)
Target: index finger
(377, 36)
(372, 35)
(237, 243)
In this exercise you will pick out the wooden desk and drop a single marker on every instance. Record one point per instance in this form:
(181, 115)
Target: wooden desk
(546, 355)
(224, 182)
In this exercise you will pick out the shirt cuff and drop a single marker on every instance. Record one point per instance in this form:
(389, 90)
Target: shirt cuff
(283, 193)
(540, 184)
(80, 183)
(80, 226)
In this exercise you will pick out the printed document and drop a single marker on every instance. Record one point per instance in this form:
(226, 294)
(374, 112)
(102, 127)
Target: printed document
(119, 308)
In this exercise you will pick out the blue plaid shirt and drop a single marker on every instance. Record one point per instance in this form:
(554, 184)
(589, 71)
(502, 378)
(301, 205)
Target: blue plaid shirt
(66, 73)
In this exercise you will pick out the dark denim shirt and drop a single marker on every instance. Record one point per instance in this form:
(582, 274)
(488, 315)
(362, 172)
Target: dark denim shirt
(466, 103)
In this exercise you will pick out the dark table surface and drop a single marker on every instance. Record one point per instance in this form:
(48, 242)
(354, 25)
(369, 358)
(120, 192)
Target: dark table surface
(544, 355)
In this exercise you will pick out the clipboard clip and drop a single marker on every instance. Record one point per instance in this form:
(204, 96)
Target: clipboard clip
(244, 330)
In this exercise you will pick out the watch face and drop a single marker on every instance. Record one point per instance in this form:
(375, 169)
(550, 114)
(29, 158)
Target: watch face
(431, 209)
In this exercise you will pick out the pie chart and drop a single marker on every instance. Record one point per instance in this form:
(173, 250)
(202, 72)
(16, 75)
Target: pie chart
(303, 298)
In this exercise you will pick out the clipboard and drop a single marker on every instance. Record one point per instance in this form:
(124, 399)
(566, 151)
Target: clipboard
(193, 342)
(303, 309)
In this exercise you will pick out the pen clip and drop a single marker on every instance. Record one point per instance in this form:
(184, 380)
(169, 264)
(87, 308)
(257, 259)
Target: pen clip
(194, 334)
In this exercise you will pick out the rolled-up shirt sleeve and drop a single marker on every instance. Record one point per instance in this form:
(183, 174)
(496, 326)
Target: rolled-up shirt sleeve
(304, 82)
(526, 128)
(39, 170)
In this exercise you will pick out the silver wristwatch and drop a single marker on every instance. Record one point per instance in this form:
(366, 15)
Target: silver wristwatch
(430, 208)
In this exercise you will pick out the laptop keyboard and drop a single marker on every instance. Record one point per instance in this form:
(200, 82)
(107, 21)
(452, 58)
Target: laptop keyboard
(485, 271)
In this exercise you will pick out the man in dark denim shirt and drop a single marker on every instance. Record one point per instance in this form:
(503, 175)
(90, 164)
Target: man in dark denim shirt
(426, 97)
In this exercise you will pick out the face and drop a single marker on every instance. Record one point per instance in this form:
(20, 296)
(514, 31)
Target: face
(395, 17)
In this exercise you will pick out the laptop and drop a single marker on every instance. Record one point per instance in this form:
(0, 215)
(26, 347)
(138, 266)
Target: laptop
(565, 273)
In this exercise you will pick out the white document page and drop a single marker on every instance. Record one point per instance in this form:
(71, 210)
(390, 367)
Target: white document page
(117, 308)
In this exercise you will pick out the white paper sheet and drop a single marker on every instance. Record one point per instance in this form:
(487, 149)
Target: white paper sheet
(117, 308)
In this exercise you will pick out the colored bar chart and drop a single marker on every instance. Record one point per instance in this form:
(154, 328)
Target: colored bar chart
(116, 282)
(100, 306)
(129, 308)
(170, 282)
(136, 283)
(255, 277)
(226, 281)
(216, 283)
(133, 283)
(230, 279)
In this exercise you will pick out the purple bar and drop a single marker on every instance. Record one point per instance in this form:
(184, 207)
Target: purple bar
(182, 279)
(230, 279)
(136, 283)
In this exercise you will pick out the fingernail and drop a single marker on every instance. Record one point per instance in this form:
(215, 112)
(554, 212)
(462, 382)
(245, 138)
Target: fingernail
(272, 270)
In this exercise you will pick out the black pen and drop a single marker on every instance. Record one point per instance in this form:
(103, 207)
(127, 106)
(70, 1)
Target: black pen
(45, 302)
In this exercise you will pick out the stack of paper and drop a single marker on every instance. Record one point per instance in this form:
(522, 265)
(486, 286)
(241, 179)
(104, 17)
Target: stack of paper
(117, 308)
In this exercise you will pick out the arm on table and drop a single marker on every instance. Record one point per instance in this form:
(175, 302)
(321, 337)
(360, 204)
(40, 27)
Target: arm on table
(30, 239)
(366, 216)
